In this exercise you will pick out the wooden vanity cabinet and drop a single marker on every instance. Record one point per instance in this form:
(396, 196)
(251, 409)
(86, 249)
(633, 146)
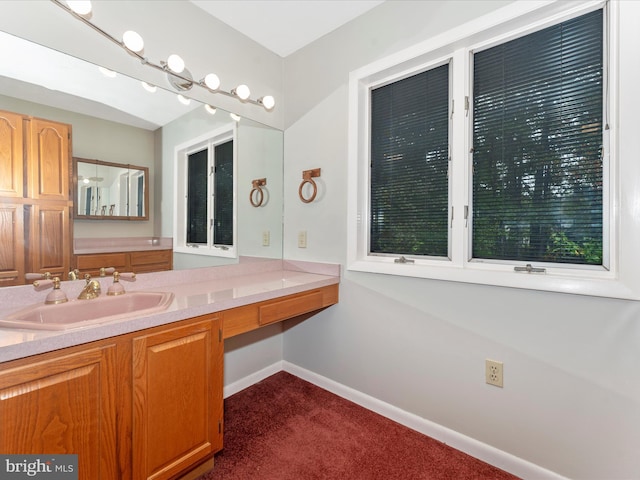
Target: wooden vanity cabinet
(151, 261)
(147, 405)
(35, 195)
(142, 261)
(250, 317)
(92, 263)
(177, 398)
(63, 403)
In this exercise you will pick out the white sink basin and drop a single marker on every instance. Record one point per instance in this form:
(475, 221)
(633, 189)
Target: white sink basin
(79, 313)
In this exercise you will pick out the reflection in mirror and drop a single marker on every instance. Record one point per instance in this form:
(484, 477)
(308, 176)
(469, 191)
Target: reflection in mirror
(116, 119)
(110, 191)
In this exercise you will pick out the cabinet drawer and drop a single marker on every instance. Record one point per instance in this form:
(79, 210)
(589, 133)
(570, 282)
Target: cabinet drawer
(161, 259)
(96, 262)
(291, 307)
(250, 317)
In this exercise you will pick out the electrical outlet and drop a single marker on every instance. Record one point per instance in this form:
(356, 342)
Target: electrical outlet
(302, 239)
(493, 373)
(266, 238)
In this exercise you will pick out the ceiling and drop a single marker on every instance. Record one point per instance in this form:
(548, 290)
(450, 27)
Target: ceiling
(284, 26)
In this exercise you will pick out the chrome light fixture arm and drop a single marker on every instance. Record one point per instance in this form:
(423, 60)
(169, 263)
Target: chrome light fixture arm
(179, 80)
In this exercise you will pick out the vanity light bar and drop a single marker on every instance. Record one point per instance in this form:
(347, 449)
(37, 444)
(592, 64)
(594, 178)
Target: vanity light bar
(180, 79)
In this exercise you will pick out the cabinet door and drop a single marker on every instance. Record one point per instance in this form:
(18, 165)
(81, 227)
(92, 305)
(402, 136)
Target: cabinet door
(49, 160)
(12, 241)
(177, 399)
(49, 239)
(11, 157)
(63, 405)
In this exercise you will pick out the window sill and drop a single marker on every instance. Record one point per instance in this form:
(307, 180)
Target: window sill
(600, 284)
(207, 251)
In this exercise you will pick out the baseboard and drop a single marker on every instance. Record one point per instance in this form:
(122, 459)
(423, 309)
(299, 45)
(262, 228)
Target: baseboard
(470, 446)
(249, 380)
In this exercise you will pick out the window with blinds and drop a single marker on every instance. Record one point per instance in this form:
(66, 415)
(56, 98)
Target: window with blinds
(197, 194)
(223, 194)
(208, 199)
(537, 192)
(409, 188)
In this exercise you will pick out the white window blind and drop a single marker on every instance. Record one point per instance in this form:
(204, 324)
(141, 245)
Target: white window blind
(409, 165)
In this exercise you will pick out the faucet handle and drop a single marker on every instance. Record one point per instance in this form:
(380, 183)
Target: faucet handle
(128, 276)
(56, 295)
(104, 271)
(42, 284)
(38, 276)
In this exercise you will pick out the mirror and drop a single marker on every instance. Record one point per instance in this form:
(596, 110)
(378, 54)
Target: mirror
(109, 191)
(126, 125)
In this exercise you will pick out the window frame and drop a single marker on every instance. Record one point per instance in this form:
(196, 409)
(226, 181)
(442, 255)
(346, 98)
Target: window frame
(210, 141)
(618, 281)
(387, 81)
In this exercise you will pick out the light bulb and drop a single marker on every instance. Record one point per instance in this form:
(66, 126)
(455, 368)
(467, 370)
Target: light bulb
(235, 117)
(107, 73)
(242, 91)
(175, 63)
(210, 109)
(133, 41)
(148, 87)
(184, 100)
(268, 102)
(81, 7)
(212, 81)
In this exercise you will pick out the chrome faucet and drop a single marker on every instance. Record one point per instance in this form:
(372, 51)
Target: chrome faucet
(91, 290)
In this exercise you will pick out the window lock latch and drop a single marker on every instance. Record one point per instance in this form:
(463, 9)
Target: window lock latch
(529, 269)
(402, 259)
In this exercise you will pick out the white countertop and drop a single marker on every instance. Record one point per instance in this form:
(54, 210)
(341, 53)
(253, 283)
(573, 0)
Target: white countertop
(196, 292)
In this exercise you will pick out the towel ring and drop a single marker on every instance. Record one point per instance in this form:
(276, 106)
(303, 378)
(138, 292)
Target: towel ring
(260, 182)
(307, 177)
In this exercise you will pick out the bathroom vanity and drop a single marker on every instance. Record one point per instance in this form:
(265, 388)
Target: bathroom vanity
(142, 398)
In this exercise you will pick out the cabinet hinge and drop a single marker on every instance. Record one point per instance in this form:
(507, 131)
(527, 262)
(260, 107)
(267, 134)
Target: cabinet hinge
(220, 335)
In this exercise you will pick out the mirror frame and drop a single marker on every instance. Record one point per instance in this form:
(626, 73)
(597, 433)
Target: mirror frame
(98, 163)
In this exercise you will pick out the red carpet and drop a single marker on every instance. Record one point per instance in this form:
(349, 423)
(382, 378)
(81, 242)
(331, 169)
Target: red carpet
(284, 428)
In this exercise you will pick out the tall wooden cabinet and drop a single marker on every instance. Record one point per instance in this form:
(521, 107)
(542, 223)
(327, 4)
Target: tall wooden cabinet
(35, 197)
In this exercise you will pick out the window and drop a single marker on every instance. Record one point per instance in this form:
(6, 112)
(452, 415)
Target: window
(537, 146)
(409, 165)
(205, 190)
(487, 160)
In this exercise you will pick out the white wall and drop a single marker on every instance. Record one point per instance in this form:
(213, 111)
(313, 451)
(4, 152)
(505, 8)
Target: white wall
(571, 399)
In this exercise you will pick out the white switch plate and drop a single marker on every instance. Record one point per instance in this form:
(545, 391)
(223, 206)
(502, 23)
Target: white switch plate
(302, 239)
(266, 238)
